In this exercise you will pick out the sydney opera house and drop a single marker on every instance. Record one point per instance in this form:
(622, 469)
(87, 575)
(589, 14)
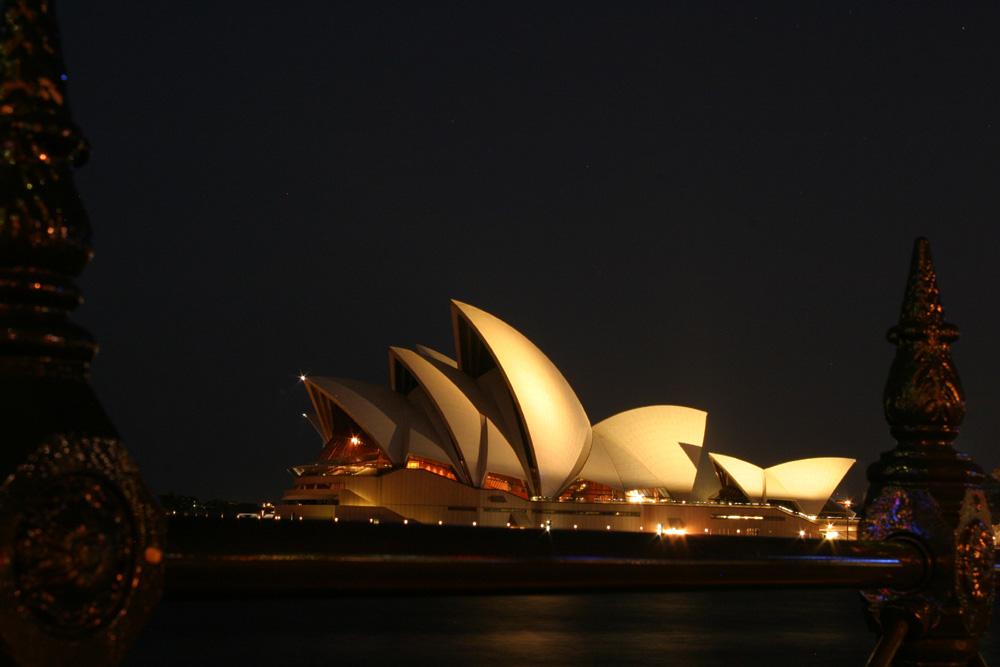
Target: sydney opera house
(497, 437)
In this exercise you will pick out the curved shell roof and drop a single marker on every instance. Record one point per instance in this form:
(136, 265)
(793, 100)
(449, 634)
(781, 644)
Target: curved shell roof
(809, 482)
(747, 476)
(459, 414)
(398, 428)
(600, 468)
(502, 406)
(555, 424)
(655, 446)
(479, 442)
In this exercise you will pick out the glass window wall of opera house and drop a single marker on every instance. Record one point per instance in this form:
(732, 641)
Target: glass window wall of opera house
(497, 437)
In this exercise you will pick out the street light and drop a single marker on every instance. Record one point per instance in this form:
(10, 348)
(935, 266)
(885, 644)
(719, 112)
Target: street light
(847, 519)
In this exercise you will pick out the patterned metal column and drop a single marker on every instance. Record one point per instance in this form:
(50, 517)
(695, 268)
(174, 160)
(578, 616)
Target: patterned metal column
(926, 492)
(80, 534)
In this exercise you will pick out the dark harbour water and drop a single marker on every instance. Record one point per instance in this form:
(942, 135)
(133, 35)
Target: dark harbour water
(732, 628)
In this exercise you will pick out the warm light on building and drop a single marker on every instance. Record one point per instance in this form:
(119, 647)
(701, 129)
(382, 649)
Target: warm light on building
(497, 433)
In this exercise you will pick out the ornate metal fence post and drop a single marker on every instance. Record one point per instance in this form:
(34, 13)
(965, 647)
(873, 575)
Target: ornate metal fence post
(80, 535)
(925, 491)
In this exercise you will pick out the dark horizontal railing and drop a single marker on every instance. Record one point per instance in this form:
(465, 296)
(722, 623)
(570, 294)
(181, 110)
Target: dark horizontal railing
(213, 558)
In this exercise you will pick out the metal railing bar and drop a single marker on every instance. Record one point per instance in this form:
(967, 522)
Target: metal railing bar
(888, 644)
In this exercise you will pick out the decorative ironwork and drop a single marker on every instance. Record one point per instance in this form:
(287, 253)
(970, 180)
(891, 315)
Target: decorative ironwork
(44, 231)
(926, 492)
(81, 537)
(83, 552)
(73, 560)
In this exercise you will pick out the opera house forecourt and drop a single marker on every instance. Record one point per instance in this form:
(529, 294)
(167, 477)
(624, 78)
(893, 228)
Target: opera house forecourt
(497, 437)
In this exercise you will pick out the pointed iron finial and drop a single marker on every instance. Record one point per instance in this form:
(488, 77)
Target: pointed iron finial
(81, 536)
(923, 397)
(44, 231)
(926, 491)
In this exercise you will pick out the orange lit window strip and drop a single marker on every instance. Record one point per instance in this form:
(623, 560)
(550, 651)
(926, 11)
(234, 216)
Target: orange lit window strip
(348, 450)
(591, 491)
(430, 465)
(511, 485)
(651, 494)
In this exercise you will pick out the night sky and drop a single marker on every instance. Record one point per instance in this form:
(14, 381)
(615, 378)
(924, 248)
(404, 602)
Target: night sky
(703, 204)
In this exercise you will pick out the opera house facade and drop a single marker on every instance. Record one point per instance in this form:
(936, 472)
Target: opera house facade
(497, 437)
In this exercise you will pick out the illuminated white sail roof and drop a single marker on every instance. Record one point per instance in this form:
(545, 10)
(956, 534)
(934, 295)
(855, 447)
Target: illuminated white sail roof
(435, 355)
(599, 467)
(808, 482)
(655, 446)
(555, 424)
(502, 407)
(479, 442)
(745, 475)
(397, 428)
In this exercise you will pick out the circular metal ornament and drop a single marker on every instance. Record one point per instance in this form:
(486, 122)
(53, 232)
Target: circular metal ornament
(81, 543)
(73, 554)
